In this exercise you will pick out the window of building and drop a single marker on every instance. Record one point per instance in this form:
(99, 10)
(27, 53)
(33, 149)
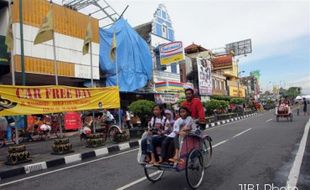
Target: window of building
(158, 29)
(164, 31)
(170, 35)
(223, 84)
(164, 15)
(158, 12)
(213, 83)
(174, 68)
(217, 84)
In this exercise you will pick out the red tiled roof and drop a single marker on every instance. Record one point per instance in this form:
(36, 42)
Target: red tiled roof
(222, 61)
(194, 48)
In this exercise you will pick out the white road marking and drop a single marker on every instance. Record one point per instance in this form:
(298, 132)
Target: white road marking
(144, 178)
(241, 133)
(137, 181)
(268, 120)
(220, 143)
(65, 168)
(295, 170)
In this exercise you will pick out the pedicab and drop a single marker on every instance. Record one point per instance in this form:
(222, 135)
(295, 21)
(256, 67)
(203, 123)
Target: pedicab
(195, 150)
(284, 111)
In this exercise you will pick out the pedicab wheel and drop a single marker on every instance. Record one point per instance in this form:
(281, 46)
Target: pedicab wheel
(291, 117)
(2, 143)
(112, 133)
(277, 118)
(153, 174)
(207, 151)
(194, 168)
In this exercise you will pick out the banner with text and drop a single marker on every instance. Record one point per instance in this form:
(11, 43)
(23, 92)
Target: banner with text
(26, 100)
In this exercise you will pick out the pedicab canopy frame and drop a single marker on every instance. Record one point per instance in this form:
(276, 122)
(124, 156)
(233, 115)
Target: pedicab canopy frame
(27, 100)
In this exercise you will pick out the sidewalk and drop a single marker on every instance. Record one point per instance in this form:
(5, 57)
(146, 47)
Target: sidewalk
(40, 152)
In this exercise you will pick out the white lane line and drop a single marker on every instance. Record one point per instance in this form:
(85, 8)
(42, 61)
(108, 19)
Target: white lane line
(295, 170)
(268, 120)
(220, 143)
(137, 181)
(66, 168)
(241, 133)
(144, 178)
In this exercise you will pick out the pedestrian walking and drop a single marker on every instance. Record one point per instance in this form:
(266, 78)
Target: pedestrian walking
(305, 106)
(3, 129)
(11, 124)
(298, 106)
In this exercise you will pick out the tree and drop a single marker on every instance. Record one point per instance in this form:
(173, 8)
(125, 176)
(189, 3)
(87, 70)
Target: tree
(283, 92)
(292, 92)
(143, 109)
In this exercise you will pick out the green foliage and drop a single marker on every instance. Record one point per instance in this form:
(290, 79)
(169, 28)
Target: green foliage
(140, 107)
(143, 109)
(292, 92)
(180, 101)
(237, 101)
(217, 97)
(214, 104)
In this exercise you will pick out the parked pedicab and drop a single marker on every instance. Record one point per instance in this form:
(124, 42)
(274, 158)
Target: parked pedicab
(196, 151)
(106, 129)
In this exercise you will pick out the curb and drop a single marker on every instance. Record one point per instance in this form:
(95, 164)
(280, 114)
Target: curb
(67, 159)
(210, 125)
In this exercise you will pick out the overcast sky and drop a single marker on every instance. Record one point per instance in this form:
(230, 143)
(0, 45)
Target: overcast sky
(280, 32)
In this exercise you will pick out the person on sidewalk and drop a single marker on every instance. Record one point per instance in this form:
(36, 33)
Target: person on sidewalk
(195, 107)
(3, 128)
(305, 106)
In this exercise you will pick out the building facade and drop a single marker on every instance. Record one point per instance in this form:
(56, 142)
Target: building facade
(166, 78)
(69, 30)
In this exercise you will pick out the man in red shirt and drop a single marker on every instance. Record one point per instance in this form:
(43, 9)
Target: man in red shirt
(195, 106)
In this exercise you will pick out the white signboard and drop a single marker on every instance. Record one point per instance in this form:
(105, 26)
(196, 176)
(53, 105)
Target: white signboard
(171, 53)
(166, 98)
(204, 76)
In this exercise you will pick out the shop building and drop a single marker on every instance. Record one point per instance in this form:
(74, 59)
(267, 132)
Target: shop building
(166, 78)
(70, 28)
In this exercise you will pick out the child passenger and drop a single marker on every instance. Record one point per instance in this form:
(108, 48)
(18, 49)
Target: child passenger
(156, 130)
(182, 126)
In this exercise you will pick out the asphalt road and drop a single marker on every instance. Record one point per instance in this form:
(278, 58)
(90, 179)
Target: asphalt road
(256, 151)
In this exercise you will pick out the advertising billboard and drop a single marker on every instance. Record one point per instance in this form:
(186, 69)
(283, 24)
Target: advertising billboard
(204, 76)
(171, 53)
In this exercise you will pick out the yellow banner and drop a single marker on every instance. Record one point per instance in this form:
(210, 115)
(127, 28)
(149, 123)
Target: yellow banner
(233, 91)
(171, 59)
(26, 100)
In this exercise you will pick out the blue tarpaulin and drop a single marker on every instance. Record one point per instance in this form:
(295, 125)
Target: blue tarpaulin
(133, 57)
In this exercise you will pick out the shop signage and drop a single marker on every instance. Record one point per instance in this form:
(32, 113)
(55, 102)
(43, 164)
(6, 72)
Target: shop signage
(166, 98)
(26, 100)
(72, 121)
(171, 53)
(233, 91)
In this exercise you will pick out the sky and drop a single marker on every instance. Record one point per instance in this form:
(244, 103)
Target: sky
(279, 30)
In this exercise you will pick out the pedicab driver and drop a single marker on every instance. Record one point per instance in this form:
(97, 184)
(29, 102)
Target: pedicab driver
(195, 107)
